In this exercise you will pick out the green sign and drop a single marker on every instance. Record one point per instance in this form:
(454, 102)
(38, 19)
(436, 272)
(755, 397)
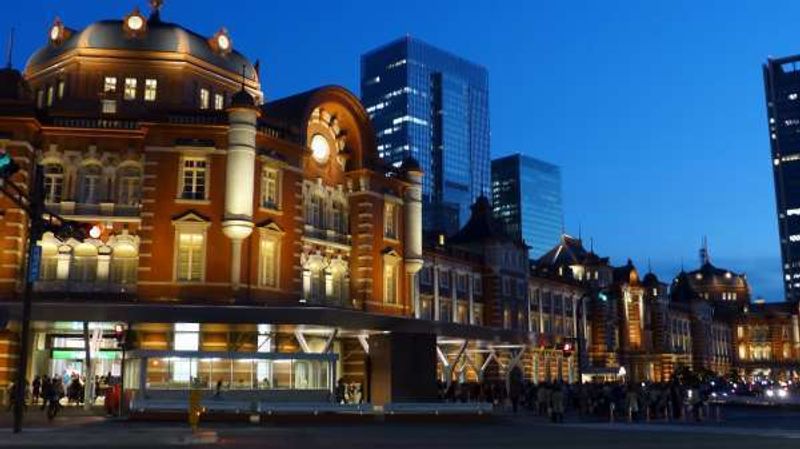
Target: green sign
(67, 354)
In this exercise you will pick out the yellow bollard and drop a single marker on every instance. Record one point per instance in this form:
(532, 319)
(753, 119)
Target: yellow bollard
(194, 408)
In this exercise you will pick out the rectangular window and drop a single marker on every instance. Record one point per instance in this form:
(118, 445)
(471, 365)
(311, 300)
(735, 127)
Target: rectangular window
(40, 99)
(191, 256)
(61, 88)
(390, 221)
(204, 98)
(269, 188)
(193, 179)
(150, 89)
(130, 88)
(219, 102)
(187, 338)
(50, 93)
(390, 279)
(269, 263)
(110, 84)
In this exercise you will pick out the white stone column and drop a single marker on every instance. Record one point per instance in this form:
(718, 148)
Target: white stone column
(412, 244)
(237, 224)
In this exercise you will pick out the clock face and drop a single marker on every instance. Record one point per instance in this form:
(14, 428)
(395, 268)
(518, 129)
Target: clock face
(55, 32)
(320, 148)
(135, 22)
(223, 42)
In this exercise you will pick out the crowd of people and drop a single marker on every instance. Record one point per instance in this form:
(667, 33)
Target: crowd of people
(51, 390)
(598, 400)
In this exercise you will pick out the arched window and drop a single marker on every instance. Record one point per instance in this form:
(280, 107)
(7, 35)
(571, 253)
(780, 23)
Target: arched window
(317, 283)
(53, 182)
(315, 210)
(90, 184)
(124, 264)
(129, 186)
(84, 263)
(340, 285)
(48, 270)
(339, 217)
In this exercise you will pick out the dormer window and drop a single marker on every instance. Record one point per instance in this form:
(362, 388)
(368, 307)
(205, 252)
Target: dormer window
(150, 89)
(130, 88)
(110, 84)
(205, 97)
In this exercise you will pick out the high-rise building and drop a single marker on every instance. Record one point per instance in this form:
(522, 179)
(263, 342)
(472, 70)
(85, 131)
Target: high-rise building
(526, 198)
(433, 106)
(782, 88)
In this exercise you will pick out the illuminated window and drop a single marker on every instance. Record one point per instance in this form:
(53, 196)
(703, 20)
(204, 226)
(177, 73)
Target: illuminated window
(84, 263)
(40, 99)
(109, 106)
(61, 88)
(187, 338)
(193, 178)
(270, 185)
(150, 89)
(50, 94)
(390, 283)
(130, 88)
(110, 84)
(48, 268)
(190, 259)
(390, 220)
(124, 264)
(268, 272)
(219, 101)
(205, 97)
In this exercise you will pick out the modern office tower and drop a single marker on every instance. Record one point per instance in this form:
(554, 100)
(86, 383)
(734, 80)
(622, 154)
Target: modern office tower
(526, 198)
(782, 88)
(433, 106)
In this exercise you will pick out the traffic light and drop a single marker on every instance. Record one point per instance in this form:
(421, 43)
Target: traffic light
(7, 165)
(568, 348)
(123, 336)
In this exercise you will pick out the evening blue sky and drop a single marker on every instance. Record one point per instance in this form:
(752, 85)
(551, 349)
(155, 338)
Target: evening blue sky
(654, 110)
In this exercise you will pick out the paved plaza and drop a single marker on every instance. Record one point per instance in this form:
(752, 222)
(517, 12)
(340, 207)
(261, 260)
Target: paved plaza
(742, 428)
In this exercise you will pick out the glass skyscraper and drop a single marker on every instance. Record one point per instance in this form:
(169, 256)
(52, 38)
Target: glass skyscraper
(433, 106)
(526, 199)
(782, 88)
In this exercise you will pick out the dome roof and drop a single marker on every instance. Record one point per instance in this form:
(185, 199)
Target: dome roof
(158, 36)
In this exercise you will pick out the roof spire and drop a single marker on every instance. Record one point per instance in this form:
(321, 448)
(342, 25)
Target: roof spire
(591, 244)
(705, 257)
(155, 10)
(10, 53)
(649, 266)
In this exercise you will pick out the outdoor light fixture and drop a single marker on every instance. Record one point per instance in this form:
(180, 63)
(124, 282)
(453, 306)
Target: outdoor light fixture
(95, 232)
